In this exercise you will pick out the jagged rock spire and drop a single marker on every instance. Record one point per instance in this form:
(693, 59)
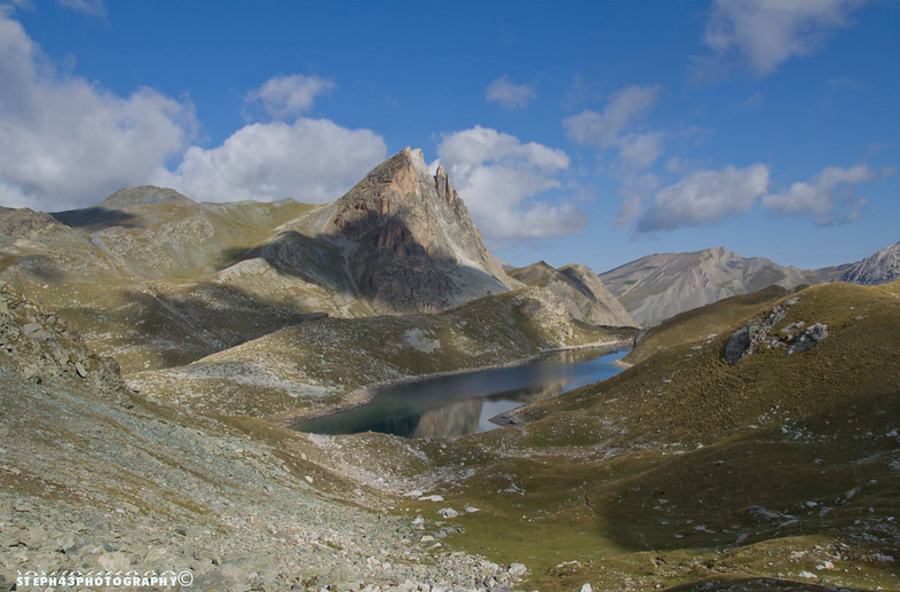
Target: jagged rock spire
(417, 246)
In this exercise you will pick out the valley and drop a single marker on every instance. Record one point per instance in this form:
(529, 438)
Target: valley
(155, 349)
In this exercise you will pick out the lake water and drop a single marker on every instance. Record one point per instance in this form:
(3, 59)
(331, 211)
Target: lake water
(464, 403)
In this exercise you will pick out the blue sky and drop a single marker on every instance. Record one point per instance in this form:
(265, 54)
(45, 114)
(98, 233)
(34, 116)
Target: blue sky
(589, 132)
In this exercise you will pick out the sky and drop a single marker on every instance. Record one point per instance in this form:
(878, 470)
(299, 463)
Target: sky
(576, 132)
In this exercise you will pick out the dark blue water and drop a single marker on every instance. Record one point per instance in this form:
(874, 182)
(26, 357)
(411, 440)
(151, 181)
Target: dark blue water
(465, 403)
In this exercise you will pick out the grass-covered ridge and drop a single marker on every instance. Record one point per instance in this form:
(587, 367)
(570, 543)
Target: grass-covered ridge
(685, 470)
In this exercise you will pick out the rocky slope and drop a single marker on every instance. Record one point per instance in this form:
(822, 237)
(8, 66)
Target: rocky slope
(657, 287)
(685, 472)
(879, 268)
(581, 291)
(229, 505)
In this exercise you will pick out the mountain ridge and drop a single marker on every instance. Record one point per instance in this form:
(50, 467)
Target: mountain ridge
(659, 286)
(881, 267)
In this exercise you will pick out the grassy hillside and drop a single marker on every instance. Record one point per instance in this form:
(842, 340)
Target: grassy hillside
(685, 472)
(701, 324)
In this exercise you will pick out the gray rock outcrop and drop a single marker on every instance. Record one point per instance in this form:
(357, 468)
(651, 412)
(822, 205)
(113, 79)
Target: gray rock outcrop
(794, 338)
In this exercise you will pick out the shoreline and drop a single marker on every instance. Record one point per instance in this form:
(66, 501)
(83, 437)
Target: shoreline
(364, 395)
(623, 365)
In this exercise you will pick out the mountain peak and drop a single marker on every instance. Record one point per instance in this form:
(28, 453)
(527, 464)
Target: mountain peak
(417, 246)
(416, 157)
(144, 196)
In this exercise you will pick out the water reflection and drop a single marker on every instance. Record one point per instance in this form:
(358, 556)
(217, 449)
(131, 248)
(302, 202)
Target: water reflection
(465, 403)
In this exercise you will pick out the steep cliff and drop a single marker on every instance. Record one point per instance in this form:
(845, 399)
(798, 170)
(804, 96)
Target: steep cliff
(410, 242)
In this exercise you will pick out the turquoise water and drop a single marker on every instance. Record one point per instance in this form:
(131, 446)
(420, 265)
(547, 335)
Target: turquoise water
(464, 403)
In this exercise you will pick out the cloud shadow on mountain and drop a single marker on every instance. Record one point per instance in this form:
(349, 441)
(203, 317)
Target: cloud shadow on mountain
(97, 218)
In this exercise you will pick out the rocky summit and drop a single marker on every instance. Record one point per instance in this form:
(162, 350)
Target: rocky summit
(412, 245)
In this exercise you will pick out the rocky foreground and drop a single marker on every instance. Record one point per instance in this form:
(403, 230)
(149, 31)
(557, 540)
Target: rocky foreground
(96, 479)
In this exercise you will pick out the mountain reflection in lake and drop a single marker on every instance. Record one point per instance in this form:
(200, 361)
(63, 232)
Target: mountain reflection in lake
(464, 403)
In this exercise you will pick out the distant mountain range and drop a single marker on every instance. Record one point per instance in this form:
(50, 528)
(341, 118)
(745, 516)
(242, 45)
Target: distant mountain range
(880, 268)
(657, 287)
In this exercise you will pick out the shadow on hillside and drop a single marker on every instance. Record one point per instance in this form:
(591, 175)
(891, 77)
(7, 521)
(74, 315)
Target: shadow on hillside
(43, 268)
(387, 269)
(97, 218)
(765, 485)
(185, 324)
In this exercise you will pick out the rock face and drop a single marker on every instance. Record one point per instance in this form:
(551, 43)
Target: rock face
(753, 336)
(880, 268)
(657, 287)
(412, 244)
(746, 340)
(580, 290)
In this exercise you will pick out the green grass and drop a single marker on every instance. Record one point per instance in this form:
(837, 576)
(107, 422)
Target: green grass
(695, 326)
(667, 458)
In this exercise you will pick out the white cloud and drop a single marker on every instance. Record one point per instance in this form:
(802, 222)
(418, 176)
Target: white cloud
(313, 160)
(500, 179)
(283, 97)
(65, 142)
(705, 198)
(767, 33)
(635, 189)
(604, 129)
(826, 197)
(609, 129)
(509, 95)
(639, 151)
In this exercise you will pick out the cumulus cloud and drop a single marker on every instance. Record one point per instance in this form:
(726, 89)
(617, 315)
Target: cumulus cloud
(283, 97)
(604, 129)
(826, 197)
(610, 129)
(313, 160)
(767, 33)
(500, 179)
(509, 95)
(639, 151)
(65, 142)
(705, 198)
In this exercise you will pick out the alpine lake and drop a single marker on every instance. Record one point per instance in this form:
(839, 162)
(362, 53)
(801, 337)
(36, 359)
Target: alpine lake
(466, 403)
